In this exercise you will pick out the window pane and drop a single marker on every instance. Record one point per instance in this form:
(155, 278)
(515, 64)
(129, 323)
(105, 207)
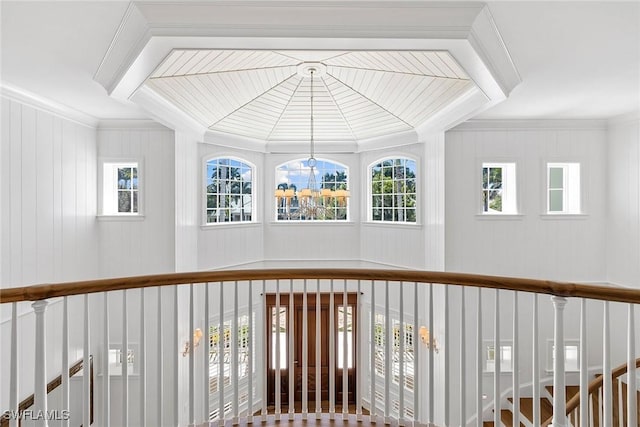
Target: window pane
(395, 179)
(124, 178)
(555, 177)
(230, 189)
(555, 201)
(124, 201)
(135, 177)
(135, 202)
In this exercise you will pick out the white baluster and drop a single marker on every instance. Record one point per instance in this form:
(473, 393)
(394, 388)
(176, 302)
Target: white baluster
(359, 355)
(372, 356)
(632, 414)
(206, 393)
(192, 368)
(479, 409)
(536, 364)
(266, 354)
(143, 362)
(559, 400)
(332, 355)
(86, 366)
(318, 356)
(463, 352)
(388, 343)
(584, 368)
(607, 387)
(13, 381)
(177, 403)
(431, 364)
(221, 339)
(416, 358)
(65, 358)
(515, 365)
(496, 360)
(291, 354)
(160, 356)
(125, 362)
(235, 342)
(250, 355)
(40, 395)
(277, 361)
(447, 394)
(345, 351)
(305, 354)
(401, 377)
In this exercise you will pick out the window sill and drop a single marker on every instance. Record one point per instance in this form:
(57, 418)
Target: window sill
(392, 224)
(313, 223)
(500, 217)
(218, 225)
(117, 218)
(563, 216)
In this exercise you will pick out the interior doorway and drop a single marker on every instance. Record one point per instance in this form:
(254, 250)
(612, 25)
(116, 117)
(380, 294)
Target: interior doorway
(280, 323)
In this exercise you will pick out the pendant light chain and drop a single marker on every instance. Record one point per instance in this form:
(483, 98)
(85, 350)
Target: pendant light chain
(312, 142)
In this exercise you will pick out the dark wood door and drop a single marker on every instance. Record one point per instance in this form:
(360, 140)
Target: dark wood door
(313, 361)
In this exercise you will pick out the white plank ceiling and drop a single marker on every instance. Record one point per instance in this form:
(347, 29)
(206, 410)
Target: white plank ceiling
(358, 94)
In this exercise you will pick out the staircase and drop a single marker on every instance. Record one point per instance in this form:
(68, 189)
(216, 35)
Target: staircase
(619, 404)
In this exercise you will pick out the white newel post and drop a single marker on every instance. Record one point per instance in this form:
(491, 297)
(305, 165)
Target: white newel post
(559, 400)
(40, 394)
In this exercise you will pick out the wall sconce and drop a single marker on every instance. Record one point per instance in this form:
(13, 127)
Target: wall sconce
(197, 336)
(424, 337)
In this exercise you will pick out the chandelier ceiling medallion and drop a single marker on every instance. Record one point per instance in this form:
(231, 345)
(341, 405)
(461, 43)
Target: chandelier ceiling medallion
(311, 202)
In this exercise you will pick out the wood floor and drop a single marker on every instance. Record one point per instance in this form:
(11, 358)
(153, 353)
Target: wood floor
(311, 421)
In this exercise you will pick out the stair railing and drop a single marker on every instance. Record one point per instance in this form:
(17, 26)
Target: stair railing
(192, 348)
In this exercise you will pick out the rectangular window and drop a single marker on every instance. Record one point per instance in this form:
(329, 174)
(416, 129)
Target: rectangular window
(506, 363)
(120, 189)
(563, 188)
(571, 356)
(499, 188)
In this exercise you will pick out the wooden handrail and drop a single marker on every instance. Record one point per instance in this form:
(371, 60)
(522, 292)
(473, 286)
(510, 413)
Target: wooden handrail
(40, 292)
(594, 385)
(52, 385)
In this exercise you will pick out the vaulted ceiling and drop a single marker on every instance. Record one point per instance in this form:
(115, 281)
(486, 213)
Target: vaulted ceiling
(266, 94)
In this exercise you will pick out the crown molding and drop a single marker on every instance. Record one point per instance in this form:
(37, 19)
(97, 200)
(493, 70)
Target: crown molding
(531, 124)
(623, 119)
(31, 99)
(130, 124)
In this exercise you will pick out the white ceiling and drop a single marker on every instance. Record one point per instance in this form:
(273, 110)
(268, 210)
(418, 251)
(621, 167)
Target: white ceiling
(576, 59)
(266, 94)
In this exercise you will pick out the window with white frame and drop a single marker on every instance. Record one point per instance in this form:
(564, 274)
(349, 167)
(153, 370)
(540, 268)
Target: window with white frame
(330, 195)
(563, 188)
(380, 351)
(393, 190)
(499, 188)
(506, 361)
(120, 188)
(571, 356)
(229, 191)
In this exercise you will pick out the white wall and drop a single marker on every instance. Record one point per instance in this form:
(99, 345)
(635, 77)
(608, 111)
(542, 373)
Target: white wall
(530, 244)
(141, 245)
(48, 231)
(623, 202)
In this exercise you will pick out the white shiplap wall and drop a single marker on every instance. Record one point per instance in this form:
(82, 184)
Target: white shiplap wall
(531, 245)
(48, 175)
(623, 230)
(141, 246)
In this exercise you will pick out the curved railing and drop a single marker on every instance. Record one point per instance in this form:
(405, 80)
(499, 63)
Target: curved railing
(406, 330)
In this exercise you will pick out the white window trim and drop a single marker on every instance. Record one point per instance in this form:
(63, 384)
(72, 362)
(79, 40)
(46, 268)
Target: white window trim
(572, 187)
(369, 194)
(203, 200)
(510, 190)
(114, 163)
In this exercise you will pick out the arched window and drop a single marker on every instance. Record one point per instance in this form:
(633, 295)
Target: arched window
(393, 190)
(229, 191)
(323, 196)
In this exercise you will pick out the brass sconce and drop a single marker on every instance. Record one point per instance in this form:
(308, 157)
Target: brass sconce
(425, 337)
(197, 336)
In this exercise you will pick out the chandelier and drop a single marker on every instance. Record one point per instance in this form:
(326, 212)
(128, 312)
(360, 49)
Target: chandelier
(311, 202)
